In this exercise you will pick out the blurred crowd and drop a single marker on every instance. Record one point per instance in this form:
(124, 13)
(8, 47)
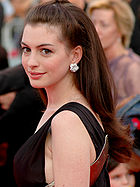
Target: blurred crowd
(117, 23)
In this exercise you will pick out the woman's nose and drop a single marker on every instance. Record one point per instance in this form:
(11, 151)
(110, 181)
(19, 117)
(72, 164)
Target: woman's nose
(125, 181)
(32, 60)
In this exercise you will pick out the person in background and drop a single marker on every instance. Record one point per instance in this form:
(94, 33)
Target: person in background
(62, 54)
(114, 21)
(122, 174)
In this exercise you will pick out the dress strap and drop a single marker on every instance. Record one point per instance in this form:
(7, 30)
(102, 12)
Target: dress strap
(97, 166)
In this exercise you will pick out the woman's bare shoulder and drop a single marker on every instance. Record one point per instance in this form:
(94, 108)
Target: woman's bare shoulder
(65, 119)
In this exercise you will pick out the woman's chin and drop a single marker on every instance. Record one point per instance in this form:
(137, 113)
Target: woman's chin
(35, 85)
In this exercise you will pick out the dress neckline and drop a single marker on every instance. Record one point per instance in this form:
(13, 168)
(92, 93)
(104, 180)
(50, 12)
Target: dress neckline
(71, 104)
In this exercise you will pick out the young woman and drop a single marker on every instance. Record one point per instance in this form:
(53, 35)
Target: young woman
(62, 54)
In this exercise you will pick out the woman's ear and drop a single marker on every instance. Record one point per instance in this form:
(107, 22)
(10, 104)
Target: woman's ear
(77, 54)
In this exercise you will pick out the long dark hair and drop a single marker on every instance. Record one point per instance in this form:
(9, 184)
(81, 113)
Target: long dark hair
(93, 78)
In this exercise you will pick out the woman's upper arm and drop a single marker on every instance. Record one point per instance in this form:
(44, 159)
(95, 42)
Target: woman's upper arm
(71, 151)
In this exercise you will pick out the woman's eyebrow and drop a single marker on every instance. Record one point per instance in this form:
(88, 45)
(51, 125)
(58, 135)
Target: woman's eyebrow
(41, 45)
(22, 43)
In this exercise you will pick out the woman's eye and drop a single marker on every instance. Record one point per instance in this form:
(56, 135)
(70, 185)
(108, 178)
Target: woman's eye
(116, 177)
(130, 173)
(25, 50)
(46, 51)
(105, 25)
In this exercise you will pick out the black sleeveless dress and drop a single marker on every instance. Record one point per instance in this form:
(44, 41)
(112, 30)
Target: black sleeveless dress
(29, 161)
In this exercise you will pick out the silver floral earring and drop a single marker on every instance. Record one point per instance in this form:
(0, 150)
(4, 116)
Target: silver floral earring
(74, 67)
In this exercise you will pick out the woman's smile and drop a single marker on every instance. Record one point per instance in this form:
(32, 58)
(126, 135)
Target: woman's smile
(35, 75)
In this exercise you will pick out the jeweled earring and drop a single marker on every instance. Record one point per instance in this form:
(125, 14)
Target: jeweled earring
(74, 67)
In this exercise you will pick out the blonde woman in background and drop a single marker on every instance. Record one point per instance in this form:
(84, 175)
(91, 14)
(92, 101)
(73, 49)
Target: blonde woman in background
(114, 22)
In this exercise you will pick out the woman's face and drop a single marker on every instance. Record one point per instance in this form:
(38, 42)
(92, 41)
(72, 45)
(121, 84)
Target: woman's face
(106, 26)
(45, 57)
(121, 177)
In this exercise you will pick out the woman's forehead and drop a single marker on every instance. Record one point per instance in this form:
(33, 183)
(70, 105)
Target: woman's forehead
(44, 31)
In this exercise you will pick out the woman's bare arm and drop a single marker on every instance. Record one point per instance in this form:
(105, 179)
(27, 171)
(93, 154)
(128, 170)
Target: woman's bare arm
(71, 150)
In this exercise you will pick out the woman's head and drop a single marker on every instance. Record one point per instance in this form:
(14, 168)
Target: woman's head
(121, 16)
(77, 30)
(120, 174)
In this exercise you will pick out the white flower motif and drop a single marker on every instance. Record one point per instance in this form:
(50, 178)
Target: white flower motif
(74, 67)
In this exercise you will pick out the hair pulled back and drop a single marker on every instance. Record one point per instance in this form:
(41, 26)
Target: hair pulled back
(93, 78)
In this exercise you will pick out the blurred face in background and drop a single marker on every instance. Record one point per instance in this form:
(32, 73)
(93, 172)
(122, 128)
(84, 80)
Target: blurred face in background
(121, 177)
(106, 26)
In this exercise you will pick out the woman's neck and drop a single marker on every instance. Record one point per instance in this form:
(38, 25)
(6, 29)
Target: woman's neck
(57, 97)
(115, 51)
(61, 94)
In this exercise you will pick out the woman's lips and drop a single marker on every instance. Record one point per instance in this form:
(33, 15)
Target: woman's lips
(35, 75)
